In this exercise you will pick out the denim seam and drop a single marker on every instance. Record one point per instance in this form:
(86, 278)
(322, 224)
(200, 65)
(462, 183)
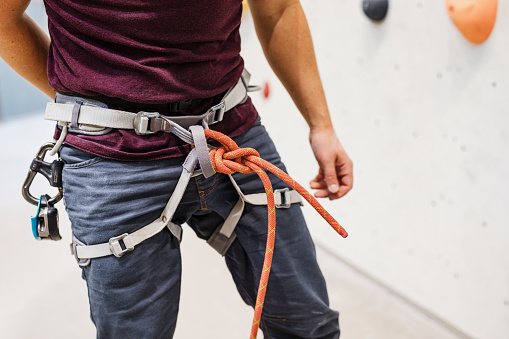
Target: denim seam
(86, 164)
(209, 190)
(203, 194)
(203, 202)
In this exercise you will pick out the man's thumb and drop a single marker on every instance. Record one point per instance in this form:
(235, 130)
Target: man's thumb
(331, 178)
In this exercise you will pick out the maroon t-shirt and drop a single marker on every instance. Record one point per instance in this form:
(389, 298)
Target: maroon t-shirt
(149, 52)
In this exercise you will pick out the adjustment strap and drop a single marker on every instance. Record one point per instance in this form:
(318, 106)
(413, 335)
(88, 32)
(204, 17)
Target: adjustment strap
(224, 235)
(283, 198)
(126, 242)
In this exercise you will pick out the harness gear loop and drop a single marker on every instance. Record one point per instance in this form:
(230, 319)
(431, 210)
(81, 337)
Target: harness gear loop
(230, 158)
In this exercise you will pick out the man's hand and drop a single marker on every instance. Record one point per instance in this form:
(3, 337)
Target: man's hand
(284, 35)
(335, 176)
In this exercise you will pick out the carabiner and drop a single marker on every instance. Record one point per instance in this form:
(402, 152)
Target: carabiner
(52, 172)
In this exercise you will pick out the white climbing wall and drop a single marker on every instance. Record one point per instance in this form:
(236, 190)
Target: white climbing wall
(424, 114)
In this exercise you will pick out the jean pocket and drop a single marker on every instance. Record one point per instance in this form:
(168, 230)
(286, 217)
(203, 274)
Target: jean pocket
(74, 158)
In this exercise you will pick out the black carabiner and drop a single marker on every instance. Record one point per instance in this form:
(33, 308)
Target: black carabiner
(51, 171)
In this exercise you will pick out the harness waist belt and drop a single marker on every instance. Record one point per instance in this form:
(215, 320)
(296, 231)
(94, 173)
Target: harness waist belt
(91, 115)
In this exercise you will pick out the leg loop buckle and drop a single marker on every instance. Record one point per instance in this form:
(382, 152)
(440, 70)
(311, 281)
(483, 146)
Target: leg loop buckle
(75, 243)
(285, 199)
(220, 242)
(116, 247)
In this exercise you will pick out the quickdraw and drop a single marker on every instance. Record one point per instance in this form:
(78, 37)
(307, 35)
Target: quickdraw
(230, 158)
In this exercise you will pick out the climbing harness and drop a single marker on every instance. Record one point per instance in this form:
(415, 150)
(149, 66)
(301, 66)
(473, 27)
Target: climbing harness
(45, 221)
(80, 115)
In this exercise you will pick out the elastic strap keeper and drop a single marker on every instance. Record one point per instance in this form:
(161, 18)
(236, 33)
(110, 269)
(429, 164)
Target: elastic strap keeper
(75, 115)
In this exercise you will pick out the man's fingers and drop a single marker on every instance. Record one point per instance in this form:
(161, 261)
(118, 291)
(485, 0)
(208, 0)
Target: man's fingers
(331, 177)
(318, 181)
(343, 190)
(346, 176)
(323, 193)
(317, 184)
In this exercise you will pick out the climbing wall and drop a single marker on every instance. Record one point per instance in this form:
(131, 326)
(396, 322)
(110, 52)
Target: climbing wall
(424, 114)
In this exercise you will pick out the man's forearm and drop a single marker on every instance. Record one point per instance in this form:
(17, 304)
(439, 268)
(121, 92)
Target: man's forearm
(286, 41)
(24, 47)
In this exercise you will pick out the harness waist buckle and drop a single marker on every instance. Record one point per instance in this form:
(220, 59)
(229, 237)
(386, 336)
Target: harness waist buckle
(286, 200)
(116, 247)
(142, 122)
(219, 110)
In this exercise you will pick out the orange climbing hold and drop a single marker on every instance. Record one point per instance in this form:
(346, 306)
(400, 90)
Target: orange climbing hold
(230, 158)
(475, 19)
(266, 90)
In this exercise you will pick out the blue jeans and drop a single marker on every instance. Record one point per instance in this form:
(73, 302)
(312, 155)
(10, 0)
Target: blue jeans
(137, 295)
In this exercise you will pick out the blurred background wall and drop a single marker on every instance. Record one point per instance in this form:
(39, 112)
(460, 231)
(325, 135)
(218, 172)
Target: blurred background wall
(424, 115)
(17, 97)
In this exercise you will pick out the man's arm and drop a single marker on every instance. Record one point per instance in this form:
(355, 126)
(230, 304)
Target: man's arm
(23, 44)
(284, 34)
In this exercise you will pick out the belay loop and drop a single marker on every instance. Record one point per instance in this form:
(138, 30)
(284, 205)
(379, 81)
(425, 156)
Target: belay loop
(230, 158)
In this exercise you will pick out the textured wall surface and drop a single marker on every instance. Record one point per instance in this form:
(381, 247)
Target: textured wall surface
(424, 115)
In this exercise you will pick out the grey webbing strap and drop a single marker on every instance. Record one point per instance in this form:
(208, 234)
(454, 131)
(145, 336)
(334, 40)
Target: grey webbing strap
(237, 94)
(191, 161)
(90, 115)
(176, 230)
(283, 198)
(75, 115)
(224, 235)
(75, 243)
(202, 149)
(180, 132)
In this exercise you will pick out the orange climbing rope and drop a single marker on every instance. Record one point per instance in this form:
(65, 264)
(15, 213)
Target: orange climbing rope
(230, 158)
